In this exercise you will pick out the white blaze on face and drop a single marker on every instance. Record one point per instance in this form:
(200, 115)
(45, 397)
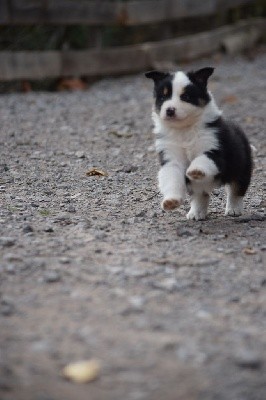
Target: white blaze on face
(183, 109)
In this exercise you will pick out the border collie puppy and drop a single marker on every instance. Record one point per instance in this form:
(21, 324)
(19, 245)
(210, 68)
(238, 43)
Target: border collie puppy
(198, 149)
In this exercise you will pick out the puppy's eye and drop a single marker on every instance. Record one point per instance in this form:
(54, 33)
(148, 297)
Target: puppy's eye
(185, 97)
(164, 93)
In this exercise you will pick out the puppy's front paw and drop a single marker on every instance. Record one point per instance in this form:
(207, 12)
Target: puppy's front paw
(195, 174)
(171, 204)
(197, 215)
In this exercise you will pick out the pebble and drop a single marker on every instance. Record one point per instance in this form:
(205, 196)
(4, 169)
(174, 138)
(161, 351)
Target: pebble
(12, 257)
(80, 154)
(27, 229)
(10, 269)
(245, 358)
(64, 260)
(186, 232)
(169, 284)
(137, 302)
(136, 272)
(128, 169)
(52, 277)
(7, 309)
(71, 209)
(142, 213)
(7, 241)
(48, 229)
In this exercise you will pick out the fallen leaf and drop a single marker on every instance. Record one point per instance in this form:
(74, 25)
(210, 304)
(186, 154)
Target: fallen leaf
(26, 87)
(120, 134)
(249, 251)
(230, 99)
(95, 172)
(82, 371)
(71, 84)
(249, 119)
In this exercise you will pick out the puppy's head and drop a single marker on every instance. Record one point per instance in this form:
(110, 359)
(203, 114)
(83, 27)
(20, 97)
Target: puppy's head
(180, 98)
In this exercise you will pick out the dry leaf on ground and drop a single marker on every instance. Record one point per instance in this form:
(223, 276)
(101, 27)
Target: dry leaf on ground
(120, 134)
(230, 99)
(82, 371)
(71, 84)
(249, 251)
(96, 172)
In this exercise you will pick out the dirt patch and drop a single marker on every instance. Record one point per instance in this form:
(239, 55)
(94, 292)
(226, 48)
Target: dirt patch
(91, 267)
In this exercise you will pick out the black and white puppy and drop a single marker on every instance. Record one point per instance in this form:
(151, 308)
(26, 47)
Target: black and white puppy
(198, 149)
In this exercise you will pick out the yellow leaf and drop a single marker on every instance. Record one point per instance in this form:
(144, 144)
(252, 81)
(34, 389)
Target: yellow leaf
(249, 251)
(230, 99)
(82, 371)
(96, 171)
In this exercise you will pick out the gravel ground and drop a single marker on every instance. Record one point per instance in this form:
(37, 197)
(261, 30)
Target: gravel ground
(91, 267)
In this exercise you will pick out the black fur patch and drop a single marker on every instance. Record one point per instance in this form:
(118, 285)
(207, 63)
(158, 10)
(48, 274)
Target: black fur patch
(233, 157)
(196, 95)
(201, 76)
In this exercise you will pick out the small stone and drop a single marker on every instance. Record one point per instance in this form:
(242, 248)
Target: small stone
(52, 277)
(129, 168)
(40, 346)
(48, 229)
(6, 308)
(64, 260)
(10, 269)
(12, 257)
(7, 241)
(248, 359)
(80, 154)
(168, 284)
(137, 302)
(27, 229)
(185, 232)
(100, 236)
(115, 270)
(141, 214)
(136, 272)
(234, 299)
(5, 385)
(71, 209)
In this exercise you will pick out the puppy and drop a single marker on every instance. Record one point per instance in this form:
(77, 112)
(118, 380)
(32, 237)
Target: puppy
(198, 149)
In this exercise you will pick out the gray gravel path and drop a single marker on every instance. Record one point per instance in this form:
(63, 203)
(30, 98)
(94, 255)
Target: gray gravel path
(92, 268)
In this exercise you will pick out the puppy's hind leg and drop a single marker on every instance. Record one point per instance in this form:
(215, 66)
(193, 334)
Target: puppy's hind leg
(234, 202)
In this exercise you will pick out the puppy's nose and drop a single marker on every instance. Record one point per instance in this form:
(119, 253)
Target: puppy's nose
(170, 112)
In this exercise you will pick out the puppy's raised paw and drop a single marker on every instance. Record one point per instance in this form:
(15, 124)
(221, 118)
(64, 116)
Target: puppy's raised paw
(195, 174)
(171, 204)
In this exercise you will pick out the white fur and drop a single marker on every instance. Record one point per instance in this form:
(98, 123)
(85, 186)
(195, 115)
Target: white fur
(205, 165)
(199, 206)
(234, 204)
(183, 141)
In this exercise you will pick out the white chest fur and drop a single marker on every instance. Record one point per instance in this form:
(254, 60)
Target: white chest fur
(188, 142)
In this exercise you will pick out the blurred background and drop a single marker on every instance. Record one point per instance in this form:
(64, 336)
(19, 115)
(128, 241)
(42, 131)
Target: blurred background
(67, 44)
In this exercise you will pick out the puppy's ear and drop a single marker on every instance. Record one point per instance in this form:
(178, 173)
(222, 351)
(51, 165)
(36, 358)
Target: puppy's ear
(156, 76)
(201, 76)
